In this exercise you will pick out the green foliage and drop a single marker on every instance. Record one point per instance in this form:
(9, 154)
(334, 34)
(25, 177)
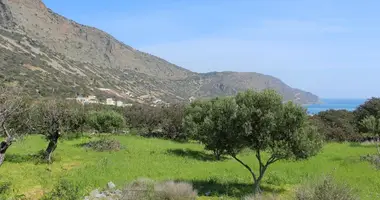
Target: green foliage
(373, 159)
(5, 188)
(255, 120)
(370, 108)
(172, 122)
(161, 122)
(54, 118)
(144, 117)
(51, 116)
(64, 189)
(104, 144)
(105, 121)
(325, 189)
(371, 124)
(279, 129)
(213, 123)
(336, 125)
(14, 110)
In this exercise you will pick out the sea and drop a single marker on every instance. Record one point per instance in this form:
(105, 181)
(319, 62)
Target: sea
(336, 104)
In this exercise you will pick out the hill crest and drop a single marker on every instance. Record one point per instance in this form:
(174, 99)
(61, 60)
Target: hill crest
(82, 59)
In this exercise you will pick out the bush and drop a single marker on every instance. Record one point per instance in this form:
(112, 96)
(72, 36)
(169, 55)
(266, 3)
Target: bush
(104, 144)
(336, 125)
(175, 191)
(172, 123)
(142, 189)
(159, 122)
(370, 108)
(4, 188)
(105, 121)
(325, 189)
(144, 117)
(63, 190)
(145, 189)
(373, 159)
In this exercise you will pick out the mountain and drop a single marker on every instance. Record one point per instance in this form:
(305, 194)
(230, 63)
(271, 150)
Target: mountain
(49, 54)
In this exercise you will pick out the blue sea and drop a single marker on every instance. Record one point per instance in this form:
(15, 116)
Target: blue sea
(337, 104)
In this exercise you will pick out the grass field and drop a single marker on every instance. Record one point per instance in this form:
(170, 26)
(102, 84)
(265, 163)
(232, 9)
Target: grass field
(165, 160)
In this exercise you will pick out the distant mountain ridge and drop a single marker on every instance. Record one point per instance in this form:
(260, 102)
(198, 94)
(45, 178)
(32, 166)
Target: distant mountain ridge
(58, 56)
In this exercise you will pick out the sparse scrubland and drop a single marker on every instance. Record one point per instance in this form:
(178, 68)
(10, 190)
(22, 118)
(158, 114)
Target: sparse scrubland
(248, 147)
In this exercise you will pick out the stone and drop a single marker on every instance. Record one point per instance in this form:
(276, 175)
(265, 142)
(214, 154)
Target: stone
(100, 196)
(94, 193)
(118, 192)
(111, 185)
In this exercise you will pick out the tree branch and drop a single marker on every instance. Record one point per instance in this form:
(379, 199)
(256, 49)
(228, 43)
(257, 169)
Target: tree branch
(261, 165)
(246, 166)
(5, 130)
(272, 160)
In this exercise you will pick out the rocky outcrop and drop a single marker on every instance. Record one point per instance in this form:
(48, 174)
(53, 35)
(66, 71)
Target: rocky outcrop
(6, 18)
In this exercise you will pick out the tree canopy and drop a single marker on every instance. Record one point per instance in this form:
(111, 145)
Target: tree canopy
(259, 121)
(369, 108)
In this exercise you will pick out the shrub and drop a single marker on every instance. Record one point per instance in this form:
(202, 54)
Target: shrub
(4, 188)
(105, 121)
(175, 191)
(146, 189)
(325, 189)
(104, 144)
(144, 117)
(336, 125)
(369, 108)
(172, 123)
(142, 189)
(63, 190)
(373, 159)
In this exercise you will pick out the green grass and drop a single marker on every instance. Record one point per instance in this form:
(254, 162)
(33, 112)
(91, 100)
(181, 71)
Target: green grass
(165, 160)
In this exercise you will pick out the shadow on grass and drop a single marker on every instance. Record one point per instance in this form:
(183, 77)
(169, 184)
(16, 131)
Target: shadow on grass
(37, 158)
(231, 189)
(197, 155)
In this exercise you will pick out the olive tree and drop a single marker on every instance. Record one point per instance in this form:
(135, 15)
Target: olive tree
(106, 121)
(13, 118)
(211, 123)
(371, 107)
(52, 118)
(171, 124)
(372, 124)
(259, 121)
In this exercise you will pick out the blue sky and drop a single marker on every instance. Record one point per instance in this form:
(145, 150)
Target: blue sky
(328, 47)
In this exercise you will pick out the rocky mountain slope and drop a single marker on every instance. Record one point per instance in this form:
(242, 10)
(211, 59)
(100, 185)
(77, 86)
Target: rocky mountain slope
(51, 55)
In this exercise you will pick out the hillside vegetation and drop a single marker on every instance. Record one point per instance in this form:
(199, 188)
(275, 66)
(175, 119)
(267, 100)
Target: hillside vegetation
(54, 56)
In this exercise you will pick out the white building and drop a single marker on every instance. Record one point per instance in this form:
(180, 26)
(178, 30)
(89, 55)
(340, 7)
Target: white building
(191, 99)
(86, 100)
(119, 103)
(110, 101)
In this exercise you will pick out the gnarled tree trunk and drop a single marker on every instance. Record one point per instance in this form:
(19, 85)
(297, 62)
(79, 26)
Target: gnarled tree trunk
(4, 145)
(53, 142)
(217, 154)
